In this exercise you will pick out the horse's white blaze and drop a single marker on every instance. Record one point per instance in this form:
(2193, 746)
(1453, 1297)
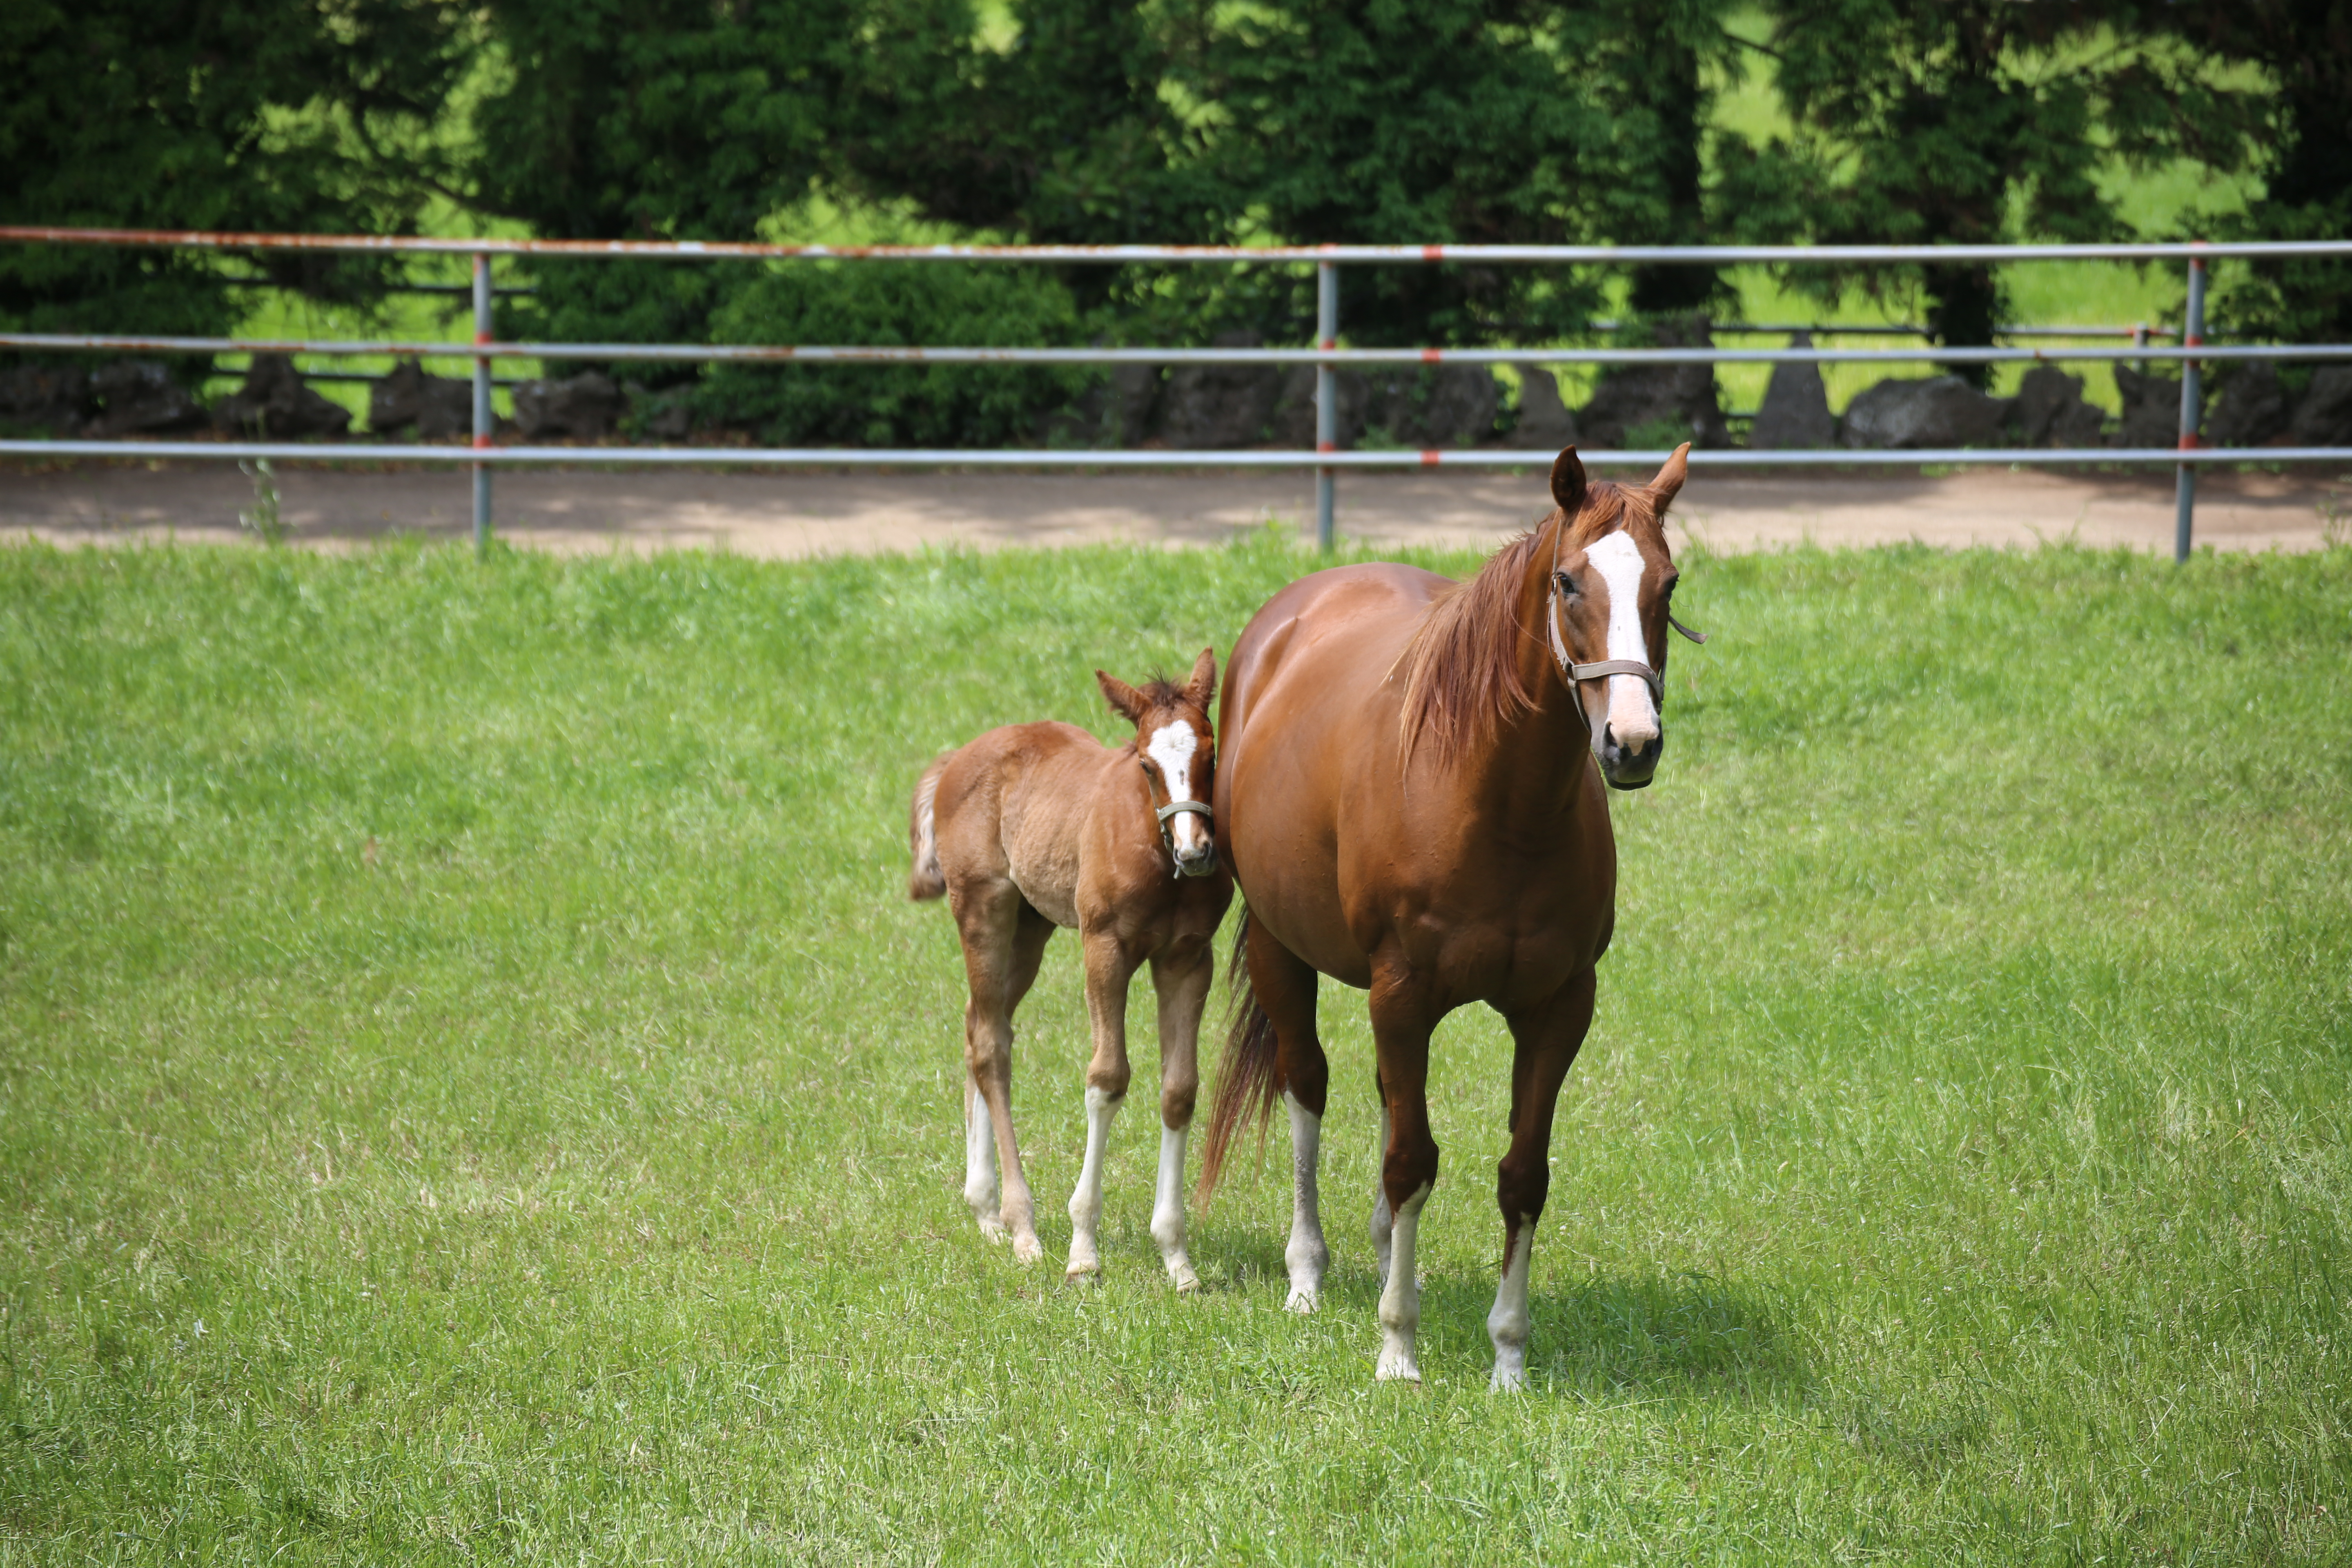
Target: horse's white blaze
(1306, 1256)
(1400, 1297)
(1507, 1325)
(1173, 747)
(1086, 1201)
(1631, 714)
(979, 1162)
(1168, 1209)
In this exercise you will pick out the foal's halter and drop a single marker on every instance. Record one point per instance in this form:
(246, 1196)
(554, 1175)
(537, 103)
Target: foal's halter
(1575, 673)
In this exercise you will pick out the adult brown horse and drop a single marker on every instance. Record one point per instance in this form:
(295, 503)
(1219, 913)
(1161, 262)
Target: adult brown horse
(1405, 800)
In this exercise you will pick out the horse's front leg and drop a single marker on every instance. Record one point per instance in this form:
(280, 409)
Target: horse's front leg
(1182, 980)
(1109, 970)
(1544, 1043)
(1401, 1021)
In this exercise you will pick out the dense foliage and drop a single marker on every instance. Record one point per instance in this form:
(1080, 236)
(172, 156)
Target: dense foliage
(1107, 121)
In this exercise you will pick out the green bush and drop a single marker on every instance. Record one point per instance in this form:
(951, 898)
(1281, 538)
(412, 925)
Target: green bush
(894, 404)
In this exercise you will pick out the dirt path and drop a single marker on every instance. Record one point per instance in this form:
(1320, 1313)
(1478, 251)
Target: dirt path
(801, 514)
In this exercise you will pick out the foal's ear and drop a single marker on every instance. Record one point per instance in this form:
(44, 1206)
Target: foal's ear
(1669, 482)
(1125, 700)
(1203, 684)
(1567, 482)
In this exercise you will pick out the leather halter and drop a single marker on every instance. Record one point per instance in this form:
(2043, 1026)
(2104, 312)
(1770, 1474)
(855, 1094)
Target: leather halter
(1575, 674)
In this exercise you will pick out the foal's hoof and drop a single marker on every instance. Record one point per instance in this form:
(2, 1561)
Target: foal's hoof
(1025, 1249)
(1085, 1269)
(1395, 1367)
(1180, 1275)
(1303, 1299)
(992, 1229)
(1508, 1380)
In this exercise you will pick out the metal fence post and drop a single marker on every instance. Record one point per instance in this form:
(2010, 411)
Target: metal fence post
(2185, 485)
(1327, 395)
(485, 416)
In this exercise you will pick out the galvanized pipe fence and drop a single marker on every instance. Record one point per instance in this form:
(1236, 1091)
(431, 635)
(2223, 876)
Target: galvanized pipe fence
(2191, 352)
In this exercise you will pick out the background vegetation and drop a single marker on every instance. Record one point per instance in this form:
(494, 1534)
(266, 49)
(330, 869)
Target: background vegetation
(472, 1085)
(1097, 120)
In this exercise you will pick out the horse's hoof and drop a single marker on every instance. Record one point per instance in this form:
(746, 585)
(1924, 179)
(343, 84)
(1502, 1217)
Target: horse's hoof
(1083, 1268)
(1508, 1380)
(993, 1230)
(1180, 1275)
(1303, 1299)
(1396, 1367)
(1025, 1249)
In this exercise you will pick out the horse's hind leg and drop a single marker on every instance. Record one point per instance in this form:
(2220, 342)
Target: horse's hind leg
(1544, 1044)
(1284, 985)
(1003, 939)
(1109, 970)
(1182, 980)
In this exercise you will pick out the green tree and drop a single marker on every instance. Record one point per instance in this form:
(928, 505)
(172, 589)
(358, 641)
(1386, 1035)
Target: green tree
(303, 115)
(1474, 121)
(655, 119)
(1970, 121)
(2301, 144)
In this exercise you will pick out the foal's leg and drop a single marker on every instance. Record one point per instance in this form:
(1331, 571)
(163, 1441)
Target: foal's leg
(1109, 970)
(1003, 939)
(1181, 981)
(1401, 1021)
(1285, 987)
(1544, 1043)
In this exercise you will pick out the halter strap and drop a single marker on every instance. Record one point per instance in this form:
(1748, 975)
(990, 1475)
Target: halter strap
(1197, 808)
(1574, 672)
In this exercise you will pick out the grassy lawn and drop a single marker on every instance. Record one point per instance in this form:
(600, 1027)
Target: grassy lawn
(471, 1087)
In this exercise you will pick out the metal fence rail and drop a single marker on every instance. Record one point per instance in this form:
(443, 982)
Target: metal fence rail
(1326, 355)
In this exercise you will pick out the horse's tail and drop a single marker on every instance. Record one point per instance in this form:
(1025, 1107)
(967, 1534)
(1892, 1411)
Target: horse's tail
(926, 880)
(1247, 1085)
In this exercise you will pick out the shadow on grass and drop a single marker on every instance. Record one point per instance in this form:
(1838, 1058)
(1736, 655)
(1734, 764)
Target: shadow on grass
(1612, 1333)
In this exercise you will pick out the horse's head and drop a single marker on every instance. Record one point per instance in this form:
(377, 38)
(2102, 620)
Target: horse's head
(1178, 754)
(1609, 608)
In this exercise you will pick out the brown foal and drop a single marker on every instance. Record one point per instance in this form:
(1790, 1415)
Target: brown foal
(1038, 826)
(1411, 800)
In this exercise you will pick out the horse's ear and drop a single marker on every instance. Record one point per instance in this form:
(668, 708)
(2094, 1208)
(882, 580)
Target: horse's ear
(1125, 700)
(1669, 482)
(1203, 684)
(1567, 482)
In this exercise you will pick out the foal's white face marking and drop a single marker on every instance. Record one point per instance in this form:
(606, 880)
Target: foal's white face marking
(1173, 747)
(1631, 714)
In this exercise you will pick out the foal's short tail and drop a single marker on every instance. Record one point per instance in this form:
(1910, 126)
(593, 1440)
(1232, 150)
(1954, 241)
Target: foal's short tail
(926, 880)
(1247, 1085)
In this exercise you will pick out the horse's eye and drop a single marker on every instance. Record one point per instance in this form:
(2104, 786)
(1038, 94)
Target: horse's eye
(1567, 584)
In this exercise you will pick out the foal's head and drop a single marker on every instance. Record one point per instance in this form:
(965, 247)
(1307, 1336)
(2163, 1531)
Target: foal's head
(1178, 753)
(1611, 604)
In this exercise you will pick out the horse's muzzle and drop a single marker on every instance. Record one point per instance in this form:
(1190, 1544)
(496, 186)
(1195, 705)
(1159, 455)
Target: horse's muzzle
(1626, 769)
(1197, 860)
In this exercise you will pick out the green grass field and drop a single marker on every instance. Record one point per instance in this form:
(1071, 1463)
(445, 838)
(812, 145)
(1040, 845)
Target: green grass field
(475, 1088)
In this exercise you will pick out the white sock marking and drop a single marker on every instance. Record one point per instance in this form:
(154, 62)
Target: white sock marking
(1307, 1256)
(1168, 1209)
(1086, 1201)
(979, 1162)
(1400, 1297)
(1507, 1325)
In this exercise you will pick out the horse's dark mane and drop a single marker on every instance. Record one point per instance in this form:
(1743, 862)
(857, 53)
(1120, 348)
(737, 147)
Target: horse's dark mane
(1461, 668)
